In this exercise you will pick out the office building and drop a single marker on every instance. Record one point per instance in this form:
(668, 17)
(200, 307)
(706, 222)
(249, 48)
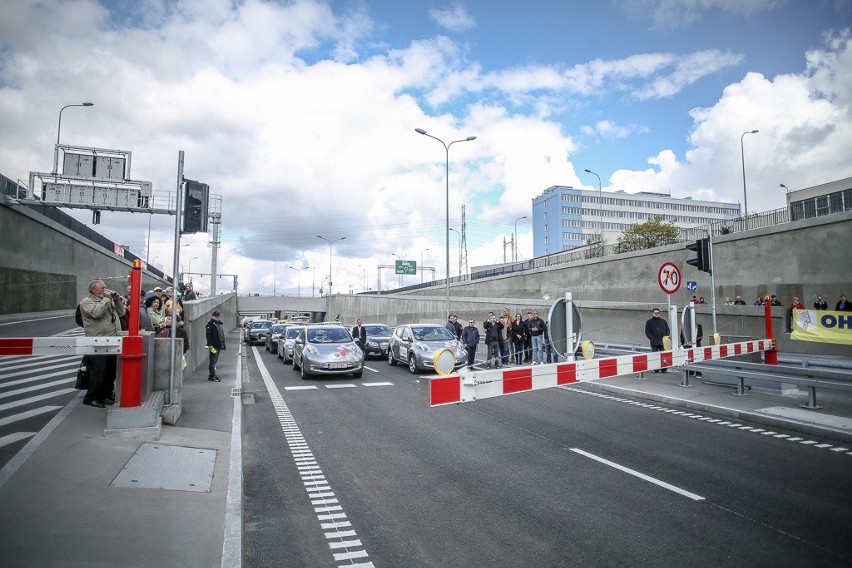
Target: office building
(566, 218)
(823, 199)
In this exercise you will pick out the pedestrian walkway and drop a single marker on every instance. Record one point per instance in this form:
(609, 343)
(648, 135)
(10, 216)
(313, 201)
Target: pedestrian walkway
(73, 497)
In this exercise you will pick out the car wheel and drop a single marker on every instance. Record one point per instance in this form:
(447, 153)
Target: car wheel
(358, 374)
(280, 356)
(305, 374)
(412, 364)
(391, 360)
(295, 365)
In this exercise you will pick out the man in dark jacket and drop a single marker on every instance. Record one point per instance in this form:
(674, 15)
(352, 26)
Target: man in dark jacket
(655, 329)
(359, 334)
(453, 326)
(494, 341)
(215, 343)
(470, 340)
(535, 328)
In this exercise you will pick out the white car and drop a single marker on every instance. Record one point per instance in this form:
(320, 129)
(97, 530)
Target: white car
(286, 342)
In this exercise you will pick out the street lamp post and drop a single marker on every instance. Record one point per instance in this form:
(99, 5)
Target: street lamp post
(600, 205)
(742, 156)
(447, 231)
(330, 242)
(785, 187)
(58, 129)
(189, 267)
(515, 240)
(421, 265)
(299, 270)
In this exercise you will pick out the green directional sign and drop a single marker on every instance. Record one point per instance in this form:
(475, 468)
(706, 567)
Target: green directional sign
(406, 267)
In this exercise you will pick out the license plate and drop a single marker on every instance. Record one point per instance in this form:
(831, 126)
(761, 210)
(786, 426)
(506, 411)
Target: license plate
(337, 365)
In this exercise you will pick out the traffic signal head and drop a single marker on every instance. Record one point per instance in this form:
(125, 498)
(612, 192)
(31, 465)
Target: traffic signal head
(195, 207)
(702, 260)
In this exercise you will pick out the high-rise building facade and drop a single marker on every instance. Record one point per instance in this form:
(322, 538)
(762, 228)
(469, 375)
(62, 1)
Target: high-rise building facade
(566, 218)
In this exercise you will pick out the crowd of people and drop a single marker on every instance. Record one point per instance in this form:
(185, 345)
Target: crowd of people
(508, 339)
(104, 312)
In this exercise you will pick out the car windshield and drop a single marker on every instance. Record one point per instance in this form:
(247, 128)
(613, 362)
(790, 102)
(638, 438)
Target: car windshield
(293, 332)
(431, 333)
(277, 328)
(261, 325)
(379, 330)
(329, 334)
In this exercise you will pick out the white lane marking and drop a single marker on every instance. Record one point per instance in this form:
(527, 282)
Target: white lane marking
(717, 421)
(372, 369)
(17, 436)
(32, 399)
(33, 379)
(28, 414)
(635, 473)
(58, 383)
(312, 477)
(384, 384)
(62, 359)
(303, 388)
(341, 386)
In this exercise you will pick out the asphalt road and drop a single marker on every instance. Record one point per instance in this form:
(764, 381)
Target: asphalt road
(547, 478)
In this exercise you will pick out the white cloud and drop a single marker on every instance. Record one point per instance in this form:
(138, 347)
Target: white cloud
(455, 18)
(681, 13)
(277, 111)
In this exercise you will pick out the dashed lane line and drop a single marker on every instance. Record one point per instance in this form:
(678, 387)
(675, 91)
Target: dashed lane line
(343, 544)
(720, 422)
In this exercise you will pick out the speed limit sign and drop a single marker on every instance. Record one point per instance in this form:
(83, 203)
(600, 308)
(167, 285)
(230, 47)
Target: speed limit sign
(669, 277)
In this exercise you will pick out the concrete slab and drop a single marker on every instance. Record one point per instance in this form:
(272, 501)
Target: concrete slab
(812, 416)
(159, 466)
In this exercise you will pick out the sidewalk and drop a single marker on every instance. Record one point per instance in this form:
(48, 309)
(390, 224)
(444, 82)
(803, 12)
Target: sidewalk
(82, 499)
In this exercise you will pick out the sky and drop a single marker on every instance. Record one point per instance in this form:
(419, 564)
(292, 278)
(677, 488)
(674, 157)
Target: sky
(301, 115)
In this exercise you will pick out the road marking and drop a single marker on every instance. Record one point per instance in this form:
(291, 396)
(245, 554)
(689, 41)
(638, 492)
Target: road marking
(17, 436)
(28, 414)
(635, 473)
(372, 369)
(384, 384)
(302, 388)
(32, 399)
(341, 386)
(312, 477)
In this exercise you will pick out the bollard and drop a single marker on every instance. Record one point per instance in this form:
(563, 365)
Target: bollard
(131, 346)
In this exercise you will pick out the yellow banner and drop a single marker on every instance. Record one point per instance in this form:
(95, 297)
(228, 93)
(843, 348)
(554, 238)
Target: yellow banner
(822, 326)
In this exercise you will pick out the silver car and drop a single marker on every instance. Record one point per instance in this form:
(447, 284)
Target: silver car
(327, 350)
(287, 341)
(416, 344)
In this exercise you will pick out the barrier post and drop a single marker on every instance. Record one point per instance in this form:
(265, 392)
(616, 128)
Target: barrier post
(131, 346)
(771, 356)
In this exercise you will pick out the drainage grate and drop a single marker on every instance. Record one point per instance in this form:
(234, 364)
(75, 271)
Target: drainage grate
(157, 466)
(236, 392)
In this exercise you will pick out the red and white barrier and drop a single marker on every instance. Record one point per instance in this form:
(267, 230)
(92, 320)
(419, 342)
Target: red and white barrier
(60, 346)
(467, 385)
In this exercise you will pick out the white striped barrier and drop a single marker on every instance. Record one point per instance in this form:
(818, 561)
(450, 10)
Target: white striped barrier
(60, 346)
(470, 385)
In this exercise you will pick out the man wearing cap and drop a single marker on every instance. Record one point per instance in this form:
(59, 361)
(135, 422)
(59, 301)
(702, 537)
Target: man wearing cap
(215, 343)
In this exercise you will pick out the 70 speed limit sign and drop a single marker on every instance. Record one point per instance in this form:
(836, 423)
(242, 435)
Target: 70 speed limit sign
(669, 277)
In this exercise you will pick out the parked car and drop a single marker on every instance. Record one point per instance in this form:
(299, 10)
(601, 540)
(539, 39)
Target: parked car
(286, 342)
(378, 338)
(256, 334)
(416, 344)
(272, 339)
(327, 350)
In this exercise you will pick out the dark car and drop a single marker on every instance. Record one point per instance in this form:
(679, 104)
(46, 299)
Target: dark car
(378, 337)
(275, 332)
(257, 332)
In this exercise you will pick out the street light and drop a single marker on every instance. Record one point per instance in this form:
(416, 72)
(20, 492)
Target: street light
(447, 232)
(58, 129)
(785, 187)
(515, 240)
(330, 242)
(189, 264)
(421, 265)
(742, 155)
(299, 270)
(600, 198)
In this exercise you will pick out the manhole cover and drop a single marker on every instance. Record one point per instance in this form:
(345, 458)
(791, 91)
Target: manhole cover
(158, 466)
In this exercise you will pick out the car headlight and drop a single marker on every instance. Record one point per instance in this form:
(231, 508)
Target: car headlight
(422, 347)
(311, 349)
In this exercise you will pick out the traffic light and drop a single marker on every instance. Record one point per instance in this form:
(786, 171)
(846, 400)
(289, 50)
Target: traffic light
(703, 260)
(195, 207)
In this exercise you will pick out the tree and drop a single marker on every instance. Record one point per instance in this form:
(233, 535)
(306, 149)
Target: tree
(652, 233)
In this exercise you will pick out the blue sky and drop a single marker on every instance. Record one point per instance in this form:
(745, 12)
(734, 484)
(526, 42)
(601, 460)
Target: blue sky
(301, 114)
